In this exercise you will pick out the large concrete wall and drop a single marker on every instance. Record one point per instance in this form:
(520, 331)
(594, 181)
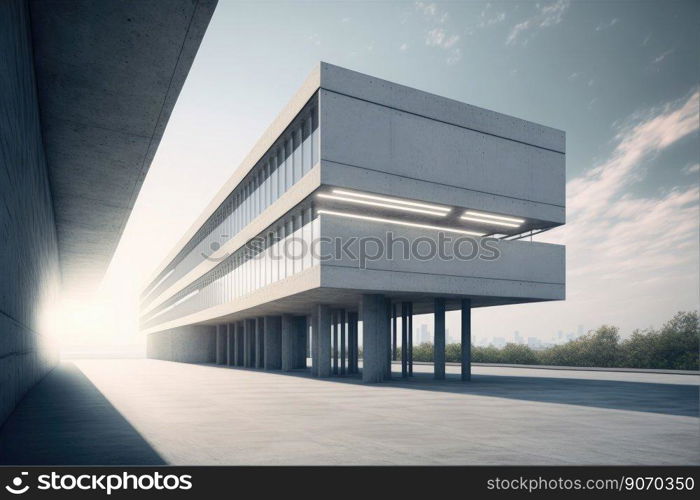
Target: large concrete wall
(187, 344)
(28, 251)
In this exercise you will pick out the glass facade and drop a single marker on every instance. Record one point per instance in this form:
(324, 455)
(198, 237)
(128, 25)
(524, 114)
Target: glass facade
(294, 154)
(280, 252)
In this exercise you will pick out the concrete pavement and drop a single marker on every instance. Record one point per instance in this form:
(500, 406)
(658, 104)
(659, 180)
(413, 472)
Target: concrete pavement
(207, 414)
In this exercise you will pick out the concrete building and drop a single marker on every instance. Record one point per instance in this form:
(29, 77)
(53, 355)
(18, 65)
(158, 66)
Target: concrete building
(86, 89)
(365, 201)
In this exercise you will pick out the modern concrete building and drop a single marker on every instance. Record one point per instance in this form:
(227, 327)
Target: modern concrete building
(364, 202)
(86, 90)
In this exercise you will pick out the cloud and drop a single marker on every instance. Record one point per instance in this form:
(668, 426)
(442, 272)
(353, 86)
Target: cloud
(658, 59)
(547, 15)
(403, 47)
(438, 37)
(621, 246)
(632, 260)
(691, 168)
(609, 24)
(438, 34)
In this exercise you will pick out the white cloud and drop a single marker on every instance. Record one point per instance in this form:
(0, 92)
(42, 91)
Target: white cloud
(403, 47)
(429, 9)
(609, 24)
(632, 260)
(438, 34)
(547, 15)
(692, 168)
(658, 59)
(438, 37)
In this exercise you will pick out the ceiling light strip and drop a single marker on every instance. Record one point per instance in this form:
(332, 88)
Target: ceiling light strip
(495, 217)
(487, 221)
(393, 200)
(399, 222)
(377, 204)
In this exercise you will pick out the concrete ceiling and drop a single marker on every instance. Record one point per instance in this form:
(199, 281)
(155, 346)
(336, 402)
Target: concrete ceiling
(108, 76)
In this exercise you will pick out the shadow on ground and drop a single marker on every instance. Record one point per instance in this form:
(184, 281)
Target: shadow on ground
(668, 399)
(65, 420)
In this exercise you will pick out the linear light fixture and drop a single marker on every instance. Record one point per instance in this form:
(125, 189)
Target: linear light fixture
(378, 204)
(488, 221)
(396, 201)
(399, 222)
(474, 213)
(177, 302)
(162, 280)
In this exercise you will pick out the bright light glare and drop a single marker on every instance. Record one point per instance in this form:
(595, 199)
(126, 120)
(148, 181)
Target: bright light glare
(177, 302)
(399, 222)
(385, 205)
(491, 216)
(486, 221)
(392, 200)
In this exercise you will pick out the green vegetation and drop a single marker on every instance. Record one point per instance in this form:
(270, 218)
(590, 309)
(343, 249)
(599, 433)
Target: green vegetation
(674, 346)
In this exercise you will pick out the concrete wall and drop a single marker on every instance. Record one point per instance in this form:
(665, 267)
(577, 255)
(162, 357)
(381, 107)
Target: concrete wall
(369, 146)
(523, 269)
(29, 273)
(187, 344)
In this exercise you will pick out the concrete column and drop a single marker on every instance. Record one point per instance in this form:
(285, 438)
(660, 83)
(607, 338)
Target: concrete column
(343, 352)
(404, 339)
(230, 344)
(335, 327)
(249, 340)
(439, 346)
(221, 337)
(299, 342)
(323, 313)
(288, 331)
(354, 344)
(410, 339)
(394, 325)
(374, 337)
(273, 343)
(314, 343)
(466, 339)
(387, 361)
(240, 331)
(259, 342)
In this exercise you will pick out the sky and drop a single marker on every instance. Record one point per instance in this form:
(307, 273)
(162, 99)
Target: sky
(621, 78)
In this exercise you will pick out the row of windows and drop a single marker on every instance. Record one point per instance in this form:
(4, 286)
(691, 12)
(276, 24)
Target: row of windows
(281, 252)
(287, 161)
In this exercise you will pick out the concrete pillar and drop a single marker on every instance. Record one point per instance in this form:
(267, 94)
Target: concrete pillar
(249, 343)
(273, 343)
(299, 342)
(240, 331)
(334, 329)
(353, 342)
(323, 313)
(394, 324)
(221, 337)
(410, 339)
(387, 362)
(404, 339)
(466, 339)
(375, 337)
(288, 331)
(439, 345)
(343, 352)
(314, 343)
(259, 342)
(230, 345)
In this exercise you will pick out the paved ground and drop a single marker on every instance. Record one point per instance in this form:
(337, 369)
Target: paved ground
(148, 411)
